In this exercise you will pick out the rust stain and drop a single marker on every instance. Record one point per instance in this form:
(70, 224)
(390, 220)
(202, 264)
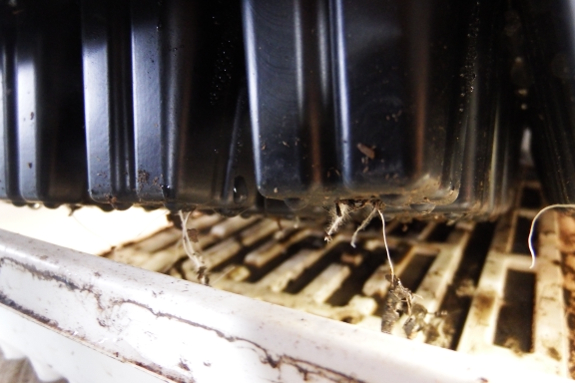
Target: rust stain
(48, 276)
(306, 369)
(158, 370)
(13, 305)
(183, 365)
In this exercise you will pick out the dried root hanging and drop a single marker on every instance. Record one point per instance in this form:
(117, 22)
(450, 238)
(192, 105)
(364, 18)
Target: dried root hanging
(363, 225)
(400, 299)
(387, 247)
(189, 237)
(340, 214)
(532, 229)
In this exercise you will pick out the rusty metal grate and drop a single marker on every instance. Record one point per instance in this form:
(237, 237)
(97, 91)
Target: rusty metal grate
(475, 277)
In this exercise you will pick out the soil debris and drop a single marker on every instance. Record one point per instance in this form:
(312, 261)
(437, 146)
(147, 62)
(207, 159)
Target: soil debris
(193, 235)
(399, 299)
(368, 151)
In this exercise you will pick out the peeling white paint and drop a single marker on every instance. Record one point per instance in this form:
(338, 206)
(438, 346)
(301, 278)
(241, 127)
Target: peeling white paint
(189, 332)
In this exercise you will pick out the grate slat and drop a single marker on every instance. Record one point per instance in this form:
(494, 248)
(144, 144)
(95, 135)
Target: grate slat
(466, 264)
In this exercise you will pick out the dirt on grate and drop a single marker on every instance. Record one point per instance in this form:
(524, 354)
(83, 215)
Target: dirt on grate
(568, 267)
(567, 241)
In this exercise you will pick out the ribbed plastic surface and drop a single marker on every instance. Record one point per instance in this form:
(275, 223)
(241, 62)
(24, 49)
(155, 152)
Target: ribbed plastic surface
(42, 150)
(165, 110)
(549, 86)
(281, 108)
(368, 100)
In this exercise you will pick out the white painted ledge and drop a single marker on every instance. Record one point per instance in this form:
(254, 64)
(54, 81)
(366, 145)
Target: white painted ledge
(93, 320)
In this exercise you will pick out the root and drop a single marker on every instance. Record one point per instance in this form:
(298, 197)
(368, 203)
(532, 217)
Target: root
(340, 214)
(363, 225)
(532, 229)
(386, 246)
(399, 300)
(195, 256)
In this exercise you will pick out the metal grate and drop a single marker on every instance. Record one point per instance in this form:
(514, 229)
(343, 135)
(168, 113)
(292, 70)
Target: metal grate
(473, 279)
